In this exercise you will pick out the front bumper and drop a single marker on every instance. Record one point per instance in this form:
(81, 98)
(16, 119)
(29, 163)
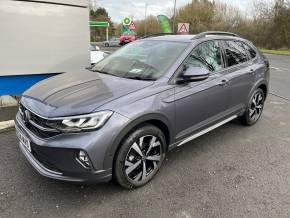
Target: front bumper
(98, 176)
(56, 157)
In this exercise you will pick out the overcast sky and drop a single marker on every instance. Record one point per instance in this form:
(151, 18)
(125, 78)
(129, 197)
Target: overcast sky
(118, 9)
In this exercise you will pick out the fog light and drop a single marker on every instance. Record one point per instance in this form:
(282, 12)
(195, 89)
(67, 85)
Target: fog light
(84, 159)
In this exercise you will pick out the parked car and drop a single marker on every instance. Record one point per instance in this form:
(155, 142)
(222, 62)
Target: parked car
(127, 38)
(94, 47)
(112, 42)
(96, 54)
(120, 119)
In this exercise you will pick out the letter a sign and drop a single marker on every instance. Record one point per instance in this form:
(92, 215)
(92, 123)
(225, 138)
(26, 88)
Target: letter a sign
(183, 28)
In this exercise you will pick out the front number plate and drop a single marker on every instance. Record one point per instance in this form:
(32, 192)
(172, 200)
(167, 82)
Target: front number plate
(23, 140)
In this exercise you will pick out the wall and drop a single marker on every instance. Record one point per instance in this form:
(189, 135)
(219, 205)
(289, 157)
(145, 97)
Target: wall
(42, 37)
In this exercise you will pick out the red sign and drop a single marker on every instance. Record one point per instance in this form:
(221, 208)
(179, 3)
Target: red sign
(132, 26)
(183, 28)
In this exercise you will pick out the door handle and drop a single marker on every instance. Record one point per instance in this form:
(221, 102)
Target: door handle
(252, 71)
(224, 82)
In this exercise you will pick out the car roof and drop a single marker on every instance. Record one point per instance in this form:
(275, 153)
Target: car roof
(178, 38)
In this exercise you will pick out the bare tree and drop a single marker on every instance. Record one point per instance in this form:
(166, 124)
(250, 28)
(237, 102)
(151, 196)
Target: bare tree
(268, 26)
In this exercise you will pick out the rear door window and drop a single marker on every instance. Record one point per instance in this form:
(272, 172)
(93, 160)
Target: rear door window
(250, 50)
(235, 53)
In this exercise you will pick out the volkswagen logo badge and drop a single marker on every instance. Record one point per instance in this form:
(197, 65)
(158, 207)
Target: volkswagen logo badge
(26, 116)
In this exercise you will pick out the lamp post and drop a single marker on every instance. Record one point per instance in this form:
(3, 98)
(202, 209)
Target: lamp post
(174, 11)
(94, 5)
(145, 26)
(107, 29)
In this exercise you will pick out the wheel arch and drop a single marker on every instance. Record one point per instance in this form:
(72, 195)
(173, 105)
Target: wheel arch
(262, 84)
(264, 88)
(157, 120)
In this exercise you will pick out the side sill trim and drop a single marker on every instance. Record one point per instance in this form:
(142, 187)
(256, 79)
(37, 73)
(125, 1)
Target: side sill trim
(196, 135)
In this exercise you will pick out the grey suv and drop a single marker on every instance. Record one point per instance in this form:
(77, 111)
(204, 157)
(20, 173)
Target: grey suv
(119, 119)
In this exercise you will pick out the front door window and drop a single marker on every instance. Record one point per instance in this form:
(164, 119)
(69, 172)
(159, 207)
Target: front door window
(207, 55)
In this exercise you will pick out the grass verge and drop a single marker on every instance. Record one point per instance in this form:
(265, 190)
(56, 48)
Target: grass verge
(277, 52)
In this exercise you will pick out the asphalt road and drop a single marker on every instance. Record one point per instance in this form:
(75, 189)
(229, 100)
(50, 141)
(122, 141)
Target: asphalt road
(280, 77)
(233, 171)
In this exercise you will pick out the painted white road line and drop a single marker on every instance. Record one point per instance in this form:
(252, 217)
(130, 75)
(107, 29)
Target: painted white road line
(279, 68)
(279, 96)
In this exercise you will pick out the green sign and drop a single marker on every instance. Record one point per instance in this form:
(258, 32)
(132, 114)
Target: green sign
(99, 24)
(127, 21)
(165, 23)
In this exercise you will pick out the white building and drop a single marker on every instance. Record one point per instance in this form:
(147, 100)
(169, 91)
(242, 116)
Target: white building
(39, 38)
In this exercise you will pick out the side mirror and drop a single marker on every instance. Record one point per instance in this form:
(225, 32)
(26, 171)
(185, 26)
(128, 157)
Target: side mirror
(194, 74)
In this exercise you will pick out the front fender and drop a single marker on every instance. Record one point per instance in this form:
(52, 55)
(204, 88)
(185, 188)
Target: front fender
(108, 163)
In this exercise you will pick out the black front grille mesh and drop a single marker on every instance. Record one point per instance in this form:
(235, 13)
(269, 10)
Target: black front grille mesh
(39, 121)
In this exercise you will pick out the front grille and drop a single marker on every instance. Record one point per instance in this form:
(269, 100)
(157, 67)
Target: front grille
(36, 124)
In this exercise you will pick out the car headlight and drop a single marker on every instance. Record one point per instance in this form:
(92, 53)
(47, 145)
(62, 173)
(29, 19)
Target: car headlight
(82, 122)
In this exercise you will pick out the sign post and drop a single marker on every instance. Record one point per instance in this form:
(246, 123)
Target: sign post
(183, 28)
(129, 26)
(101, 24)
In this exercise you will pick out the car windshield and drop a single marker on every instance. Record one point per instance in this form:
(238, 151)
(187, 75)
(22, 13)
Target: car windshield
(143, 60)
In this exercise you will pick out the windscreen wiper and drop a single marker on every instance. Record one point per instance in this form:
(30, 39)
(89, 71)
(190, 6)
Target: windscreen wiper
(139, 78)
(202, 60)
(104, 72)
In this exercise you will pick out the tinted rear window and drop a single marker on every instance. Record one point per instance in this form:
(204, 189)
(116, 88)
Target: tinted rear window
(235, 53)
(250, 50)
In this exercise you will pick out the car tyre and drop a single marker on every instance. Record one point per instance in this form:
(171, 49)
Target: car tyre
(139, 157)
(254, 109)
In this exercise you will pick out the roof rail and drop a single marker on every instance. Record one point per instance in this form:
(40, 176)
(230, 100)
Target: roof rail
(157, 34)
(220, 33)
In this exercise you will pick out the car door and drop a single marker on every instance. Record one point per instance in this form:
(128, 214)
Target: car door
(199, 104)
(240, 73)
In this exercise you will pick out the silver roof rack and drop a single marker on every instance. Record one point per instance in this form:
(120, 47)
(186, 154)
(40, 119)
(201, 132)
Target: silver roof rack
(214, 33)
(157, 34)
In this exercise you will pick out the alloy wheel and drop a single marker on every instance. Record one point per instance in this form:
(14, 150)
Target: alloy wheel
(143, 158)
(256, 107)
